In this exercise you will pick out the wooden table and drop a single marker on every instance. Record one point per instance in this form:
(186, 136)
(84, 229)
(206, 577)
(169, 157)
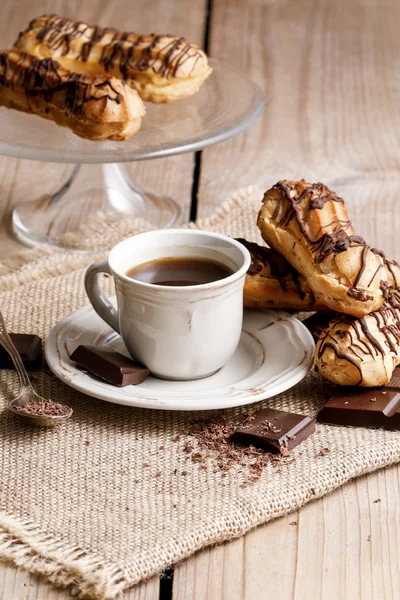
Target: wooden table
(329, 70)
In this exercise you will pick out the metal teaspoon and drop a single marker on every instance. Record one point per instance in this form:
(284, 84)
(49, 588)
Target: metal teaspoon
(27, 394)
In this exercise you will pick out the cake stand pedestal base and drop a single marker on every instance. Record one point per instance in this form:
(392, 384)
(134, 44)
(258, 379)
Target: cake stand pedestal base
(91, 193)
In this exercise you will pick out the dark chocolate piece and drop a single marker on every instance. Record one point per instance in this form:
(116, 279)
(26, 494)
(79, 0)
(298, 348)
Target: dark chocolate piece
(394, 383)
(29, 348)
(274, 430)
(367, 407)
(113, 367)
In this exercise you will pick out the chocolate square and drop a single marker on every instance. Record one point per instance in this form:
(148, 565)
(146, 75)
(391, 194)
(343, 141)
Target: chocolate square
(113, 367)
(274, 430)
(394, 383)
(362, 407)
(29, 348)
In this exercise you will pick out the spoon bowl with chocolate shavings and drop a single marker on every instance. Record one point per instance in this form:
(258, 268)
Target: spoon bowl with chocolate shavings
(35, 410)
(28, 406)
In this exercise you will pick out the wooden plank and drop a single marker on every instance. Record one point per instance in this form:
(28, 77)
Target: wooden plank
(239, 569)
(17, 584)
(327, 72)
(171, 176)
(344, 545)
(331, 115)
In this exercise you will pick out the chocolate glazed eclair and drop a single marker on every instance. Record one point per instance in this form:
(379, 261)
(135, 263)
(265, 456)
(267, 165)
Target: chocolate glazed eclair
(96, 108)
(309, 225)
(271, 282)
(363, 351)
(161, 68)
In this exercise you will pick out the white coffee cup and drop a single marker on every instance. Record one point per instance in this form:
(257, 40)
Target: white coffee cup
(178, 332)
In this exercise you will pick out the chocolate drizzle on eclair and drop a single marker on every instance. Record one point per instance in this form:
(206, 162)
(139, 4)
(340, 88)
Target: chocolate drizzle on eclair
(279, 268)
(361, 341)
(162, 54)
(46, 77)
(335, 242)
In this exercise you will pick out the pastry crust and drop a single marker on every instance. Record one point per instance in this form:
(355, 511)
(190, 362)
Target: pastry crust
(271, 282)
(96, 108)
(161, 68)
(362, 351)
(309, 225)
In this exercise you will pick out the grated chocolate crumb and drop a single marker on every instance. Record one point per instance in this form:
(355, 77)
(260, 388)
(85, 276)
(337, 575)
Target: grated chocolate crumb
(210, 442)
(45, 409)
(323, 452)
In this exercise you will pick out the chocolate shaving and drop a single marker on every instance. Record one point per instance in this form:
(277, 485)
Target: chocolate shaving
(323, 451)
(45, 409)
(212, 449)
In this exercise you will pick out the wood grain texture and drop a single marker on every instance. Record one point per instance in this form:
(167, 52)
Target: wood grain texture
(328, 71)
(329, 74)
(344, 545)
(171, 176)
(17, 584)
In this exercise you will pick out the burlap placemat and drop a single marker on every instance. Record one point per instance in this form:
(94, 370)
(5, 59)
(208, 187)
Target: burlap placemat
(117, 494)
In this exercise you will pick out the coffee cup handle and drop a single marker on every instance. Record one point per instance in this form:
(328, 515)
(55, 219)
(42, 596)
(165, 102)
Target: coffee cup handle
(99, 301)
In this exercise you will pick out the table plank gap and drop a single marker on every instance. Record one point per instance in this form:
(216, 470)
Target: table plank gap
(326, 70)
(197, 155)
(172, 176)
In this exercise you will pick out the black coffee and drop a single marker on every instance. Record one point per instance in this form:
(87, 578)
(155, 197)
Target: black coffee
(180, 271)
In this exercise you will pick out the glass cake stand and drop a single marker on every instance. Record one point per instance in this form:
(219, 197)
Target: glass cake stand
(97, 184)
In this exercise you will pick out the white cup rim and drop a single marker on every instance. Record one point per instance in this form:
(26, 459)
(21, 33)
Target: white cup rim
(178, 289)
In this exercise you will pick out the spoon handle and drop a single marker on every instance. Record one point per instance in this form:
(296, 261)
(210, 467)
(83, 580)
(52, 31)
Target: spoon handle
(7, 344)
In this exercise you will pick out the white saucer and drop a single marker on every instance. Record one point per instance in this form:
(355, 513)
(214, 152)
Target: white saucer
(275, 352)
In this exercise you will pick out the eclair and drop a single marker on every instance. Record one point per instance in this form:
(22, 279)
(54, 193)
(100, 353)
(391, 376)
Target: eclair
(309, 225)
(94, 107)
(363, 351)
(271, 282)
(161, 68)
